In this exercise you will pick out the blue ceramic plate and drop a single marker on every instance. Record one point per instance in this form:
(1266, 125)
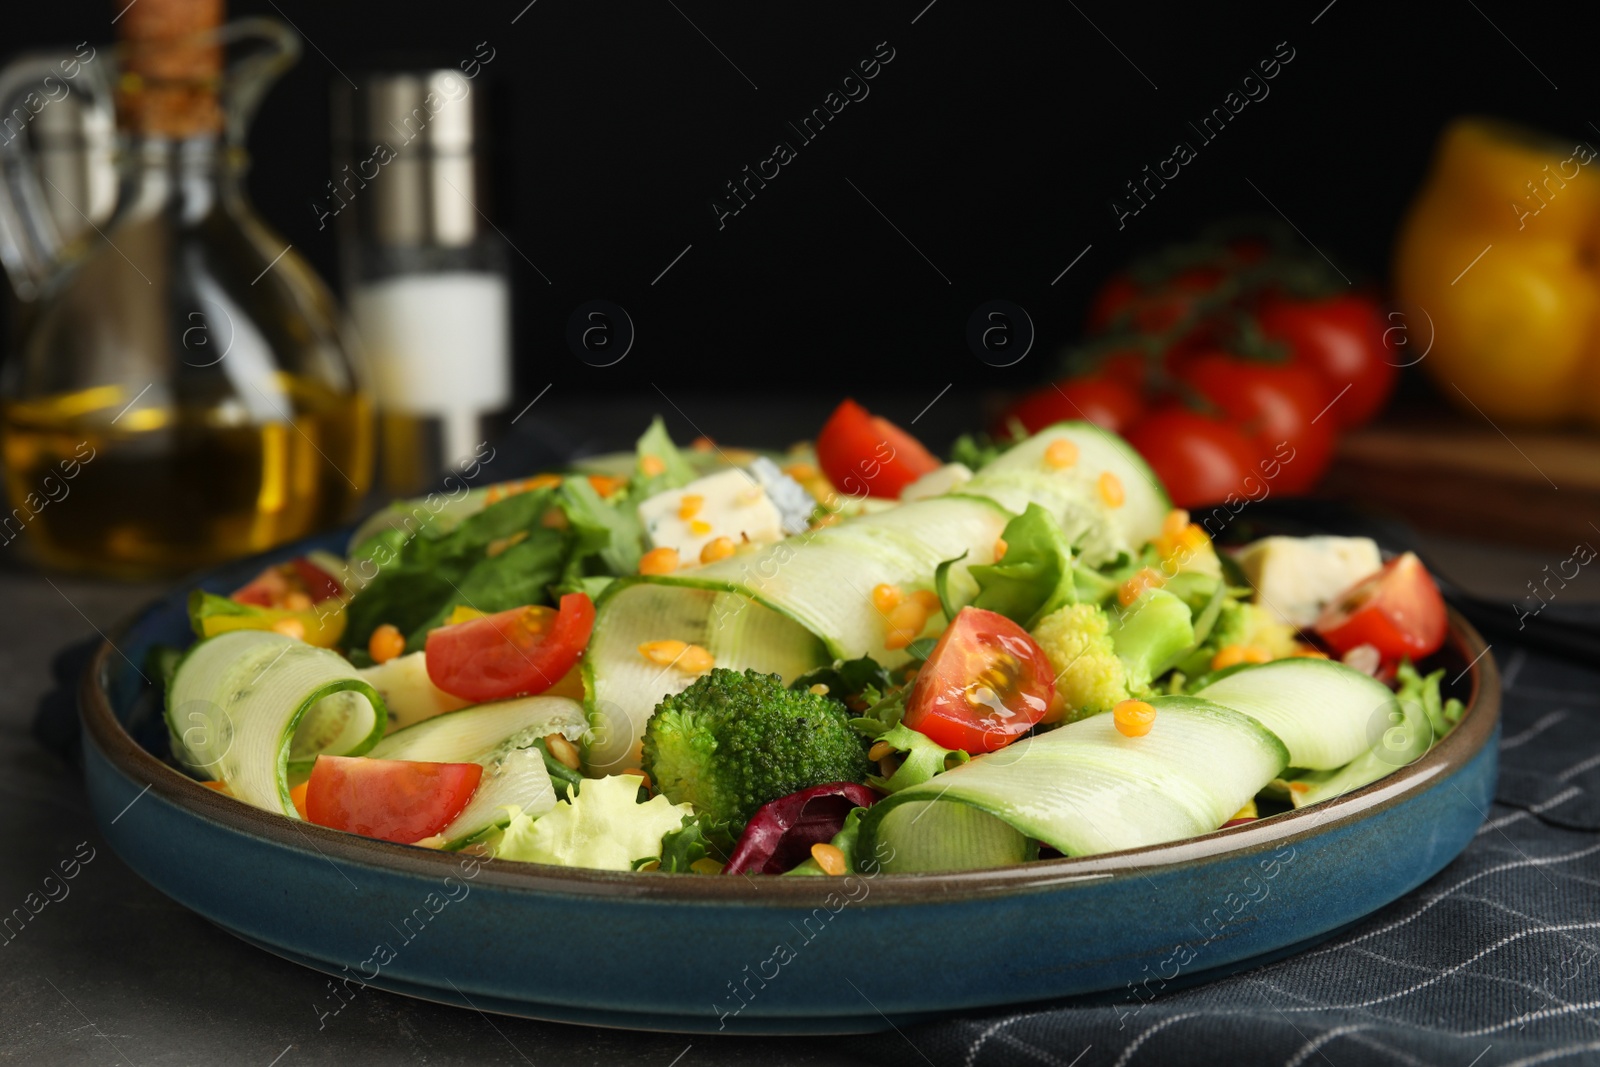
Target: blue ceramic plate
(765, 955)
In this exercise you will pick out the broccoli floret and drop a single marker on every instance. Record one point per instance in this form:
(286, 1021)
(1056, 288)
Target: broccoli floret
(1239, 622)
(1100, 660)
(732, 742)
(1244, 623)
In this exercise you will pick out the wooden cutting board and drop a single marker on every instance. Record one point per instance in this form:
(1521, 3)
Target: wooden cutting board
(1461, 476)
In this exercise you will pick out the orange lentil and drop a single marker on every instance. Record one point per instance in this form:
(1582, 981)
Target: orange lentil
(652, 465)
(1060, 454)
(929, 601)
(690, 506)
(606, 484)
(637, 773)
(695, 660)
(219, 786)
(1144, 579)
(296, 601)
(909, 615)
(829, 857)
(659, 561)
(801, 472)
(718, 548)
(886, 597)
(1111, 490)
(1307, 652)
(1176, 521)
(663, 653)
(1133, 718)
(386, 643)
(703, 444)
(699, 527)
(1230, 655)
(1000, 547)
(543, 481)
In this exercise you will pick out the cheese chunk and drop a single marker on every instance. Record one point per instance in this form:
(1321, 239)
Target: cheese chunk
(1296, 577)
(730, 504)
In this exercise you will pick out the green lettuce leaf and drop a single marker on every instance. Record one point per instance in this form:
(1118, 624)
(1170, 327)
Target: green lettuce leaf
(1035, 576)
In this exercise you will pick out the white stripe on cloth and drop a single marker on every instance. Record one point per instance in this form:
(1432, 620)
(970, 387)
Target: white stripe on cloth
(1544, 723)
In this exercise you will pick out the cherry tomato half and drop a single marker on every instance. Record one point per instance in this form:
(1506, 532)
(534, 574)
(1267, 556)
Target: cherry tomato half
(865, 455)
(390, 799)
(1109, 404)
(1398, 611)
(985, 685)
(512, 653)
(1275, 404)
(281, 585)
(1341, 338)
(1200, 459)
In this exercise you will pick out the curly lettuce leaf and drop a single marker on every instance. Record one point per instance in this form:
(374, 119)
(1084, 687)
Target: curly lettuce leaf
(603, 827)
(924, 758)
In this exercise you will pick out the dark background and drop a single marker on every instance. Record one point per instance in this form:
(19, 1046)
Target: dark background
(995, 141)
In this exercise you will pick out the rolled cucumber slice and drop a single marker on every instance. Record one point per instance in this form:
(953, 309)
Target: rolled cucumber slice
(498, 736)
(1072, 493)
(408, 691)
(1326, 714)
(1408, 735)
(247, 706)
(783, 609)
(1082, 789)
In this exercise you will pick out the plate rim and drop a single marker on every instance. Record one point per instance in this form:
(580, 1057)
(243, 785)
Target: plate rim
(1475, 729)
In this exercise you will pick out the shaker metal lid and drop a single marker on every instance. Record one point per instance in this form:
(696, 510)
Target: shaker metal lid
(406, 146)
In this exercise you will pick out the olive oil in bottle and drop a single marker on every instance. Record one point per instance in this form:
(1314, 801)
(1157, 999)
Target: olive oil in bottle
(184, 393)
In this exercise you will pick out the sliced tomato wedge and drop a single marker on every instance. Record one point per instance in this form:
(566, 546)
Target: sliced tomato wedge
(390, 799)
(985, 685)
(865, 455)
(511, 653)
(1397, 610)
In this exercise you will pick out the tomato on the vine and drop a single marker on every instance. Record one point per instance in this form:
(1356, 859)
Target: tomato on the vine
(1341, 338)
(1156, 308)
(1199, 458)
(1275, 404)
(1110, 404)
(866, 455)
(985, 684)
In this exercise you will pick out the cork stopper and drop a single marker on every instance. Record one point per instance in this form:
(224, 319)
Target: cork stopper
(172, 67)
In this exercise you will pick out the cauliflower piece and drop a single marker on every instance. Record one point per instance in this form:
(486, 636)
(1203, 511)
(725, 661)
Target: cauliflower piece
(1076, 640)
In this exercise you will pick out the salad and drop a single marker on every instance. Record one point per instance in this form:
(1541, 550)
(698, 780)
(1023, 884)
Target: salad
(848, 656)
